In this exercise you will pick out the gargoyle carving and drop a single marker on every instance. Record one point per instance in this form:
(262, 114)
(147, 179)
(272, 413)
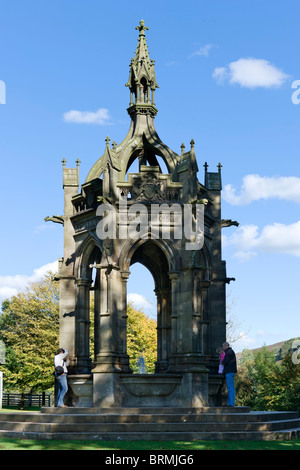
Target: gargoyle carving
(57, 219)
(200, 201)
(228, 223)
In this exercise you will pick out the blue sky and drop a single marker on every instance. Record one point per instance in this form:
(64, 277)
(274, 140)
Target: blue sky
(225, 72)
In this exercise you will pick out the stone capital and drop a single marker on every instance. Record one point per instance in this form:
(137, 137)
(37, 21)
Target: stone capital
(174, 275)
(125, 275)
(83, 282)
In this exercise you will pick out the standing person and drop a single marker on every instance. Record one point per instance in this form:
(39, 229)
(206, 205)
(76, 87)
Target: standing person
(230, 370)
(61, 359)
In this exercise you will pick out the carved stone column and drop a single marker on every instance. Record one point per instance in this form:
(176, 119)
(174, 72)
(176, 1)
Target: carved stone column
(97, 303)
(176, 344)
(163, 329)
(104, 340)
(197, 313)
(122, 346)
(111, 360)
(83, 326)
(205, 316)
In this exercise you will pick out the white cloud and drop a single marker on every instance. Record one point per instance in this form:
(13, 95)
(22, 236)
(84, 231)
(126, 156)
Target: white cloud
(101, 117)
(280, 238)
(10, 285)
(219, 74)
(203, 51)
(255, 187)
(139, 301)
(275, 238)
(251, 73)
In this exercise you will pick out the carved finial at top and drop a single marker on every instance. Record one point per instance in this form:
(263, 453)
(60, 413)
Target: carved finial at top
(142, 28)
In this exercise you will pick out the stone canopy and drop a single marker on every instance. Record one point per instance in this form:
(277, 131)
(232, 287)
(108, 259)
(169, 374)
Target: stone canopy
(190, 284)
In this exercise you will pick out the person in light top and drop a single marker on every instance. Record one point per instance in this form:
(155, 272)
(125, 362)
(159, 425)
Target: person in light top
(61, 359)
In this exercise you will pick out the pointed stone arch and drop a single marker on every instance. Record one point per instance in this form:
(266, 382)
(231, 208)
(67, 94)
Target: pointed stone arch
(131, 245)
(202, 261)
(89, 251)
(161, 259)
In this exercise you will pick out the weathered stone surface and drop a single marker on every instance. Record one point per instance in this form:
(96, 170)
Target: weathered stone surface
(146, 423)
(189, 283)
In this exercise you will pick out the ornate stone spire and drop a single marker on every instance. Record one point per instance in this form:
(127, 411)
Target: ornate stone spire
(142, 140)
(142, 80)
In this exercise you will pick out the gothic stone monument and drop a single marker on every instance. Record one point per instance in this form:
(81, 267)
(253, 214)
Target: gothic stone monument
(189, 283)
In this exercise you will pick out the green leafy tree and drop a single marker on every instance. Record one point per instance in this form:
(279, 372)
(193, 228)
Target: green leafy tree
(264, 383)
(141, 339)
(29, 330)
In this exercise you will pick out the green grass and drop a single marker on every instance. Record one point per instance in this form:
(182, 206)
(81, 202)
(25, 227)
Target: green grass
(35, 444)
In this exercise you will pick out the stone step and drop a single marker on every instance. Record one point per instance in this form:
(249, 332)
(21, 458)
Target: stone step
(148, 423)
(145, 418)
(146, 410)
(51, 427)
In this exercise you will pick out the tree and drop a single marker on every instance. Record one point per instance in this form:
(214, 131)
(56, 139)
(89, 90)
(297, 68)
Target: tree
(263, 383)
(29, 330)
(233, 325)
(141, 338)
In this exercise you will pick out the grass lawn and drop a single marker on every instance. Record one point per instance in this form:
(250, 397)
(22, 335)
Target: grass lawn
(35, 444)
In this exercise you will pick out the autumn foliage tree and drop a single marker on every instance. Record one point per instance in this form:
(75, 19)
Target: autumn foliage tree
(141, 339)
(29, 330)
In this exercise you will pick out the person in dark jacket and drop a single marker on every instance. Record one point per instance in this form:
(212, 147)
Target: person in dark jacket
(230, 370)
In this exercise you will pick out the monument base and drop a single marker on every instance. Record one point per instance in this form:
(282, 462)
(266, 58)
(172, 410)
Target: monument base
(80, 390)
(156, 390)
